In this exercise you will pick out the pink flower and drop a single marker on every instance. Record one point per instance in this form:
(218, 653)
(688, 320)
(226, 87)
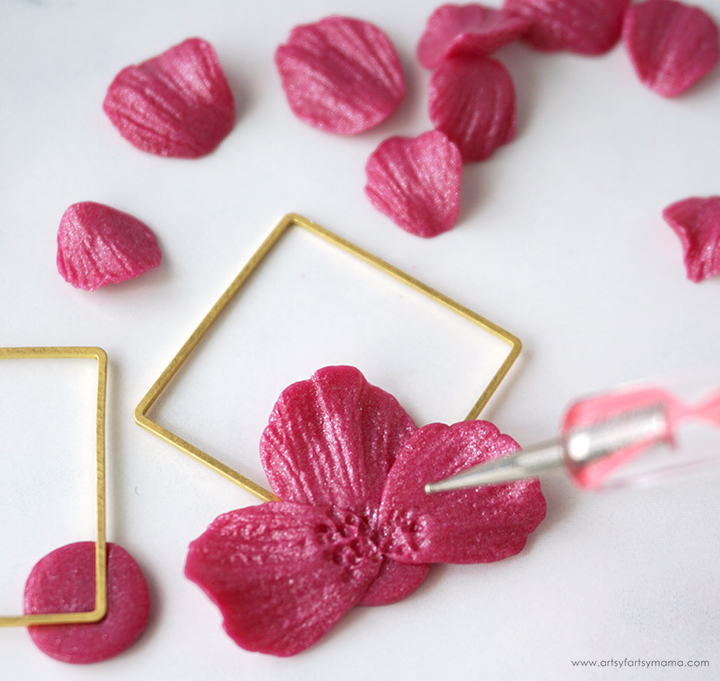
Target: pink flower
(354, 526)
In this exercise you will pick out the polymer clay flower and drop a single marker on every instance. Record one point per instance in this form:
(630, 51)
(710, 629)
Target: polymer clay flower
(354, 525)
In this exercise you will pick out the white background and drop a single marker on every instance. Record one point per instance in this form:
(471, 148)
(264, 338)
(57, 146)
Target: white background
(560, 240)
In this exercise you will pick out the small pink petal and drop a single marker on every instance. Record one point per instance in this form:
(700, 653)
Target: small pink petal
(394, 582)
(64, 581)
(466, 526)
(177, 104)
(99, 245)
(473, 30)
(588, 27)
(696, 221)
(283, 574)
(341, 75)
(332, 439)
(671, 45)
(416, 182)
(472, 101)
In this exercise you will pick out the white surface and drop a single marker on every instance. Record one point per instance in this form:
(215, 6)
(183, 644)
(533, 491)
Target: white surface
(560, 241)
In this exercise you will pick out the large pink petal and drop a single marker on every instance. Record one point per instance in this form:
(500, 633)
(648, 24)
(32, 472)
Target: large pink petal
(466, 526)
(473, 30)
(416, 182)
(332, 439)
(394, 582)
(671, 45)
(472, 101)
(588, 27)
(283, 574)
(100, 245)
(176, 104)
(696, 221)
(341, 75)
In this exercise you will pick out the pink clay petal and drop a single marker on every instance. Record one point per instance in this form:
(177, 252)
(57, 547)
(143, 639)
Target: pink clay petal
(99, 245)
(282, 574)
(472, 101)
(589, 27)
(466, 526)
(394, 582)
(671, 45)
(696, 221)
(177, 104)
(416, 182)
(472, 30)
(332, 439)
(341, 75)
(64, 581)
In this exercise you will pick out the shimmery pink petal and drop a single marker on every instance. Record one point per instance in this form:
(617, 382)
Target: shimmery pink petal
(283, 574)
(671, 45)
(177, 104)
(588, 27)
(64, 581)
(416, 182)
(394, 582)
(696, 221)
(472, 101)
(99, 245)
(473, 30)
(332, 439)
(341, 75)
(466, 526)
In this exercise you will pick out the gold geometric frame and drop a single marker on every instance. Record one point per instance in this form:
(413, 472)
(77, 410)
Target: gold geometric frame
(288, 221)
(100, 548)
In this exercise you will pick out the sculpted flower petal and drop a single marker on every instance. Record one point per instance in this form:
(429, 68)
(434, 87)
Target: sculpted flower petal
(283, 574)
(177, 104)
(696, 221)
(341, 75)
(671, 45)
(472, 101)
(588, 27)
(466, 526)
(471, 30)
(99, 245)
(394, 582)
(416, 182)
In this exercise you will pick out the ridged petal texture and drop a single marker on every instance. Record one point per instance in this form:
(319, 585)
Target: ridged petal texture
(473, 30)
(285, 572)
(341, 75)
(472, 101)
(99, 245)
(416, 182)
(588, 27)
(177, 104)
(671, 45)
(696, 221)
(64, 581)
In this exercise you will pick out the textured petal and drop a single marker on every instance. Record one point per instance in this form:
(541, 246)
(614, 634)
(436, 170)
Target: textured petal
(99, 245)
(465, 526)
(177, 104)
(283, 574)
(696, 221)
(64, 581)
(472, 101)
(394, 582)
(332, 439)
(473, 30)
(416, 182)
(341, 75)
(671, 45)
(582, 26)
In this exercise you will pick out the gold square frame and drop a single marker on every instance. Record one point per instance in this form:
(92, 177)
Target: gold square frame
(290, 220)
(100, 546)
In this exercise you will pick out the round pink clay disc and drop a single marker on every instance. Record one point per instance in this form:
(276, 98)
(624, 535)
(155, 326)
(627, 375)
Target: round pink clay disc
(64, 581)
